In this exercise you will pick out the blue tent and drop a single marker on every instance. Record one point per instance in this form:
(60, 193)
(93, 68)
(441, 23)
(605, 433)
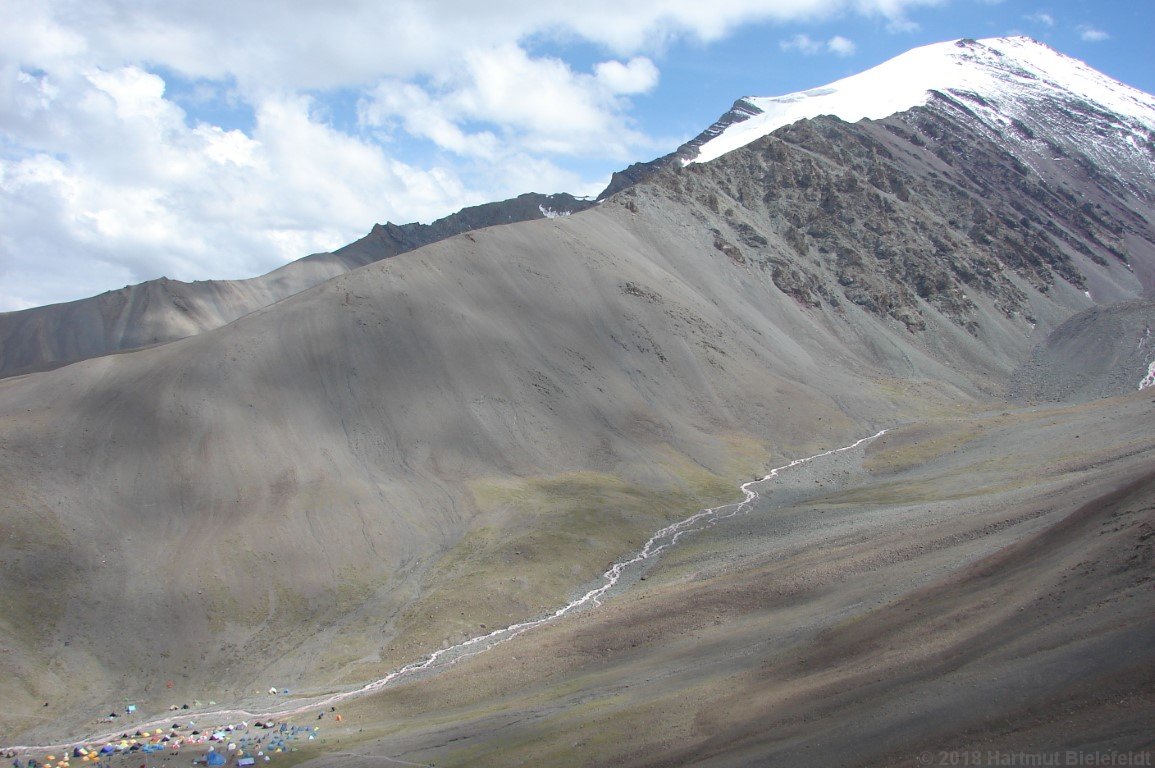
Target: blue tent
(215, 758)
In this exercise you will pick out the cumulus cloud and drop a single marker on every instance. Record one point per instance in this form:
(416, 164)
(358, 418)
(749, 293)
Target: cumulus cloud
(130, 190)
(292, 45)
(396, 105)
(545, 104)
(638, 75)
(518, 103)
(901, 25)
(1042, 17)
(197, 140)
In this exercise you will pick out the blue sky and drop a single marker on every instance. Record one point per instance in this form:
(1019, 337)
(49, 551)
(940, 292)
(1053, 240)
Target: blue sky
(216, 139)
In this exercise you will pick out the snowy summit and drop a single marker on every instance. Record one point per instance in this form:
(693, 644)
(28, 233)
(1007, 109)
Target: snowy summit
(1000, 79)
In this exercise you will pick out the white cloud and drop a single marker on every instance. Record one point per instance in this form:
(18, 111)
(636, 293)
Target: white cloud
(394, 103)
(841, 46)
(638, 75)
(556, 109)
(801, 43)
(1092, 34)
(1041, 17)
(804, 44)
(902, 25)
(518, 103)
(291, 45)
(141, 193)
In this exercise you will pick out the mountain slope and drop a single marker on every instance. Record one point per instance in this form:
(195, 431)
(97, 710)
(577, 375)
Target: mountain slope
(1034, 102)
(162, 310)
(326, 447)
(894, 217)
(380, 453)
(1039, 105)
(337, 483)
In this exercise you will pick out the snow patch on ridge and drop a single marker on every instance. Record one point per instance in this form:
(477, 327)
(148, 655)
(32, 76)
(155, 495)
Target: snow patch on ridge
(1008, 75)
(1149, 379)
(550, 213)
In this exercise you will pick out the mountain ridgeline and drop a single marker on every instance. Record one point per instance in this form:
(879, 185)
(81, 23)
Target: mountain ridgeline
(164, 310)
(370, 454)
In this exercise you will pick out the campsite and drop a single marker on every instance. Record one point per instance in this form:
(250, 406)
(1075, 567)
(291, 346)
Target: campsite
(202, 741)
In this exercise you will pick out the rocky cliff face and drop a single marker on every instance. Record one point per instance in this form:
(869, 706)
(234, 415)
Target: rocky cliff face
(740, 111)
(919, 214)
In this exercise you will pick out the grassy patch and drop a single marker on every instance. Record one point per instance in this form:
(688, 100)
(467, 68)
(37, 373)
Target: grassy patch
(537, 540)
(913, 446)
(36, 572)
(221, 605)
(923, 399)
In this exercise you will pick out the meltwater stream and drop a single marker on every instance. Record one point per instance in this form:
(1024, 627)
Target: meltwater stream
(658, 543)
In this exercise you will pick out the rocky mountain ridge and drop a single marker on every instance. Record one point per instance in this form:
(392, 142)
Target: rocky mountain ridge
(1013, 85)
(893, 216)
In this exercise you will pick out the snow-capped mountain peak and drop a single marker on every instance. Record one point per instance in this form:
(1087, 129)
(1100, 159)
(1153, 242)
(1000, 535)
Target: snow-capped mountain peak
(999, 79)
